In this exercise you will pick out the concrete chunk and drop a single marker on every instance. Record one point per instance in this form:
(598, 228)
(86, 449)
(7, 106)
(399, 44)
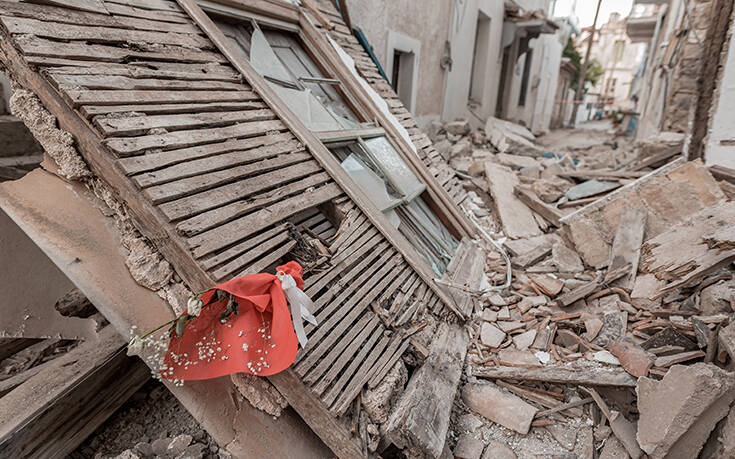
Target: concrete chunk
(499, 406)
(678, 413)
(491, 336)
(468, 447)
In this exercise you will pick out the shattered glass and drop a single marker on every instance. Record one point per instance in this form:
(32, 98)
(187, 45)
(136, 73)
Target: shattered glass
(372, 185)
(308, 109)
(264, 59)
(400, 174)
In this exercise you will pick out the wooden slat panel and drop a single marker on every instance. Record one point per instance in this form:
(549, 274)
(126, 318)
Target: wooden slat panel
(333, 322)
(347, 282)
(180, 139)
(32, 46)
(269, 259)
(191, 185)
(137, 125)
(243, 227)
(367, 361)
(64, 15)
(151, 161)
(241, 248)
(316, 283)
(214, 163)
(240, 190)
(251, 255)
(114, 97)
(58, 31)
(342, 353)
(215, 217)
(350, 372)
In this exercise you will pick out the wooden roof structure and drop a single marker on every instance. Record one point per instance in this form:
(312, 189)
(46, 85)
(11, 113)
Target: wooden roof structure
(217, 171)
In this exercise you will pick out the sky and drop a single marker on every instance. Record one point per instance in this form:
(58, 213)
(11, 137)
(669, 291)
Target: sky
(585, 9)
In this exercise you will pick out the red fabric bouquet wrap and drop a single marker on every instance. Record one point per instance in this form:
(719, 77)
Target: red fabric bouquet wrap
(258, 338)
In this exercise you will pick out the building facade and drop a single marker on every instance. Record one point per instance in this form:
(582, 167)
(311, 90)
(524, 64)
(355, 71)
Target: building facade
(470, 59)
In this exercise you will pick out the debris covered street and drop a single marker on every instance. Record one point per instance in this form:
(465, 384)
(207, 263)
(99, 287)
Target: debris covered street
(330, 228)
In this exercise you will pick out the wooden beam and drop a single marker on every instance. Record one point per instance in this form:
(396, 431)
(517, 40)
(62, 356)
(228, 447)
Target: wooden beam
(547, 211)
(54, 411)
(316, 414)
(592, 376)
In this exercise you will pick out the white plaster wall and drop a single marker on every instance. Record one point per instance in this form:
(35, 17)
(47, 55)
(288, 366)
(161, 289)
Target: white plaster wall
(426, 21)
(720, 143)
(462, 29)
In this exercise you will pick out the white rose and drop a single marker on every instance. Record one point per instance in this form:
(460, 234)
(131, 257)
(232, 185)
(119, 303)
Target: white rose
(194, 306)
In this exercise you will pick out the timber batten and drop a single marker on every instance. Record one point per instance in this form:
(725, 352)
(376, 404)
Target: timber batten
(219, 179)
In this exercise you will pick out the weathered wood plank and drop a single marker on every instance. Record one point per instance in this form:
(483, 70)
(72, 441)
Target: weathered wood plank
(242, 190)
(103, 34)
(51, 13)
(90, 111)
(221, 215)
(126, 146)
(136, 125)
(613, 376)
(214, 163)
(420, 418)
(194, 72)
(332, 433)
(32, 46)
(54, 411)
(517, 219)
(266, 246)
(196, 183)
(119, 9)
(97, 82)
(151, 161)
(94, 6)
(241, 248)
(236, 230)
(153, 5)
(115, 97)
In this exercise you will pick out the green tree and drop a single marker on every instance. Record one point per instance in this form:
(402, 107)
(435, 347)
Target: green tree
(594, 69)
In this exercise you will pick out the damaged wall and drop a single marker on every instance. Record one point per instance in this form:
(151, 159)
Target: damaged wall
(378, 19)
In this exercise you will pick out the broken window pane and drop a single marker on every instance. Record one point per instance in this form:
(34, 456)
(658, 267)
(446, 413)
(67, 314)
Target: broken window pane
(372, 185)
(308, 109)
(398, 171)
(430, 222)
(265, 61)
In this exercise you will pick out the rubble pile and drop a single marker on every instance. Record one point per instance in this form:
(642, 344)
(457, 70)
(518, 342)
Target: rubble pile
(615, 337)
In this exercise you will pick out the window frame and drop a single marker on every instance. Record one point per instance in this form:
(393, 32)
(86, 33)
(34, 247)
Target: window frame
(352, 92)
(310, 37)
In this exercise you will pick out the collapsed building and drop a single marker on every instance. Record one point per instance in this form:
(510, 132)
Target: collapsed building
(190, 142)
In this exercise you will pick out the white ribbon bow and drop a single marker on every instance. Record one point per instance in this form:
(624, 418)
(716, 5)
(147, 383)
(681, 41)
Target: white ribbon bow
(300, 306)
